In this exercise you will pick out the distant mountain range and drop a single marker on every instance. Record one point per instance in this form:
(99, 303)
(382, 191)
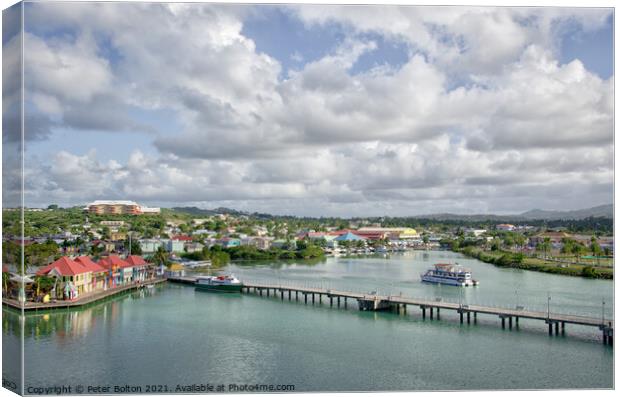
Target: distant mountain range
(204, 212)
(604, 211)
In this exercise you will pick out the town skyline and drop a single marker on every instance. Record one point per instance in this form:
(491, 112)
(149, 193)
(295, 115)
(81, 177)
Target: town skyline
(316, 110)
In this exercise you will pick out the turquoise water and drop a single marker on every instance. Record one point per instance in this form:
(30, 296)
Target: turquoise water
(174, 335)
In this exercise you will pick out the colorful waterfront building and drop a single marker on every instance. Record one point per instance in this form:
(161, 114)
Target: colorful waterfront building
(118, 270)
(99, 277)
(73, 278)
(140, 268)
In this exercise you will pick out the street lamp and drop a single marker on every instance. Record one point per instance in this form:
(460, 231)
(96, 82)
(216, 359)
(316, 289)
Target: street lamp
(548, 304)
(603, 312)
(517, 299)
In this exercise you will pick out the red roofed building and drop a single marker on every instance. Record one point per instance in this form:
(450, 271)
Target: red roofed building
(141, 268)
(74, 277)
(99, 279)
(181, 237)
(120, 271)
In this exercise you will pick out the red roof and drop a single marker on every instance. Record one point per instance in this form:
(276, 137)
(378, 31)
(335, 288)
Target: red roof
(65, 266)
(182, 238)
(113, 261)
(339, 232)
(136, 260)
(89, 264)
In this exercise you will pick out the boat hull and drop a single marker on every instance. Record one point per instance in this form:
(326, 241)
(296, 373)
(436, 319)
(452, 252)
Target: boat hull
(219, 288)
(456, 283)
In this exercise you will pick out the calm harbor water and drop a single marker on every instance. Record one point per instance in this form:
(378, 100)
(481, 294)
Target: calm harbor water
(174, 335)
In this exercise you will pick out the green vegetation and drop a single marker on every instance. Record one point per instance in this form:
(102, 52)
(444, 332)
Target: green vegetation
(34, 254)
(519, 261)
(221, 256)
(216, 255)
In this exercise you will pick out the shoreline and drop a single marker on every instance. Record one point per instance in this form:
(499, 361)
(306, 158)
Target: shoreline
(505, 259)
(35, 307)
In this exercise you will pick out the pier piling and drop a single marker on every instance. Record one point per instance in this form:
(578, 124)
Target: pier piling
(468, 318)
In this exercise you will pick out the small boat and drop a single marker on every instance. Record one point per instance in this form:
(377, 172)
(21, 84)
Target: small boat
(219, 283)
(449, 274)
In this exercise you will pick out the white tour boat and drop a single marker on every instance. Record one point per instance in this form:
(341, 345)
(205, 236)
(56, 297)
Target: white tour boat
(449, 274)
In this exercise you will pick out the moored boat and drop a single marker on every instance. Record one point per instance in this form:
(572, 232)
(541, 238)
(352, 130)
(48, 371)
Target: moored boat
(449, 274)
(219, 283)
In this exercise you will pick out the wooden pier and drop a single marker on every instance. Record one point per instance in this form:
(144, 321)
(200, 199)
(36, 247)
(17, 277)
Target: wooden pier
(372, 302)
(78, 303)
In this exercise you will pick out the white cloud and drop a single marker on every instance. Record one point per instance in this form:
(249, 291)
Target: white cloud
(523, 129)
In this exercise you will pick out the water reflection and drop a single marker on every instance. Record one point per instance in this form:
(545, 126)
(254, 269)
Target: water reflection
(65, 326)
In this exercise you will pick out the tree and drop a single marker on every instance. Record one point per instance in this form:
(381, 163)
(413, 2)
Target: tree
(495, 244)
(96, 250)
(509, 240)
(136, 249)
(545, 246)
(161, 257)
(5, 282)
(596, 249)
(578, 250)
(567, 245)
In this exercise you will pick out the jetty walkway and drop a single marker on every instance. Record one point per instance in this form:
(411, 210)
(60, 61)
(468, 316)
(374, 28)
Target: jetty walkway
(81, 302)
(374, 302)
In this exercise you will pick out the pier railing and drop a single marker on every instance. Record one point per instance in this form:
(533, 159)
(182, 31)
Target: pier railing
(522, 304)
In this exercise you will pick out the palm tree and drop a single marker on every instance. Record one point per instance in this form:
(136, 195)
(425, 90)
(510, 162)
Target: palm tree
(578, 250)
(5, 282)
(161, 257)
(547, 245)
(596, 249)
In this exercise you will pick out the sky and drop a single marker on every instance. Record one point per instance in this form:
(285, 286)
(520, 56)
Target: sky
(315, 110)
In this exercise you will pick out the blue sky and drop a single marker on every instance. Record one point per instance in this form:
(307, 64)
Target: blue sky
(419, 95)
(593, 48)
